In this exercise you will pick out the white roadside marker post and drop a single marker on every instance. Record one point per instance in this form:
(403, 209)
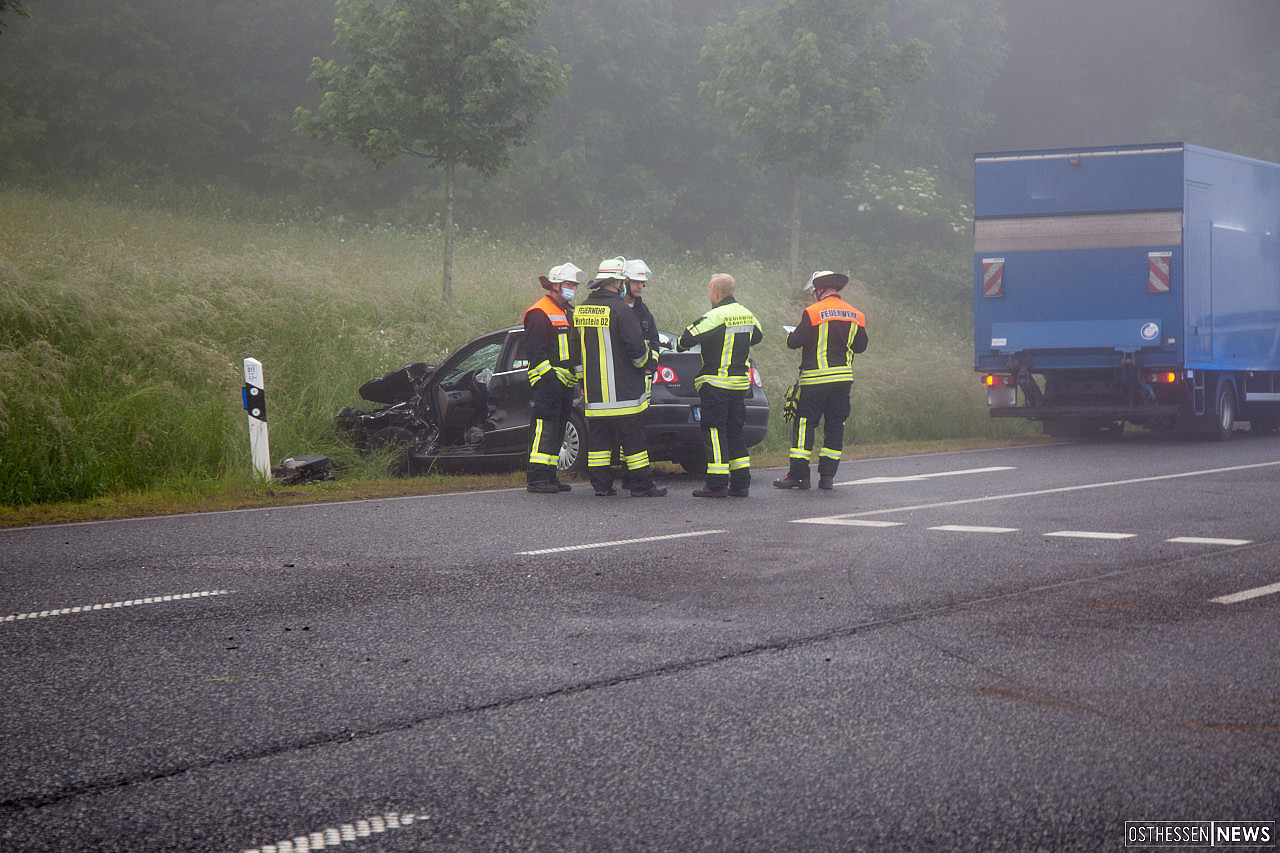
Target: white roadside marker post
(255, 403)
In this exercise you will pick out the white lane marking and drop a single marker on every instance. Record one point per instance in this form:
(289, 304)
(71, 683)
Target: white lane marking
(1056, 491)
(1203, 540)
(855, 522)
(1090, 534)
(564, 548)
(1256, 592)
(968, 528)
(133, 602)
(866, 481)
(337, 836)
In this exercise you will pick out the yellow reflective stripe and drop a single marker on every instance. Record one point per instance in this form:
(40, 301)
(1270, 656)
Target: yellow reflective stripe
(730, 383)
(829, 454)
(599, 458)
(636, 461)
(739, 463)
(538, 371)
(824, 375)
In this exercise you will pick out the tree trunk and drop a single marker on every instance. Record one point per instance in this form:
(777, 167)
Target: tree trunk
(448, 230)
(795, 228)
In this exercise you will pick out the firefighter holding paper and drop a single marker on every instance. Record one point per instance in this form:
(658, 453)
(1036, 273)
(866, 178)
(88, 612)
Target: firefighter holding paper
(828, 335)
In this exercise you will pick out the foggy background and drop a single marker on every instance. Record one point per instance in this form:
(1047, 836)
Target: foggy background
(189, 104)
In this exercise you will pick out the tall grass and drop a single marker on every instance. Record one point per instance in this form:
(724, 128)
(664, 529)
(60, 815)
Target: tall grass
(123, 333)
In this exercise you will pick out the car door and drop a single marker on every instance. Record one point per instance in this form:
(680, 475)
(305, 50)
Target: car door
(510, 399)
(459, 390)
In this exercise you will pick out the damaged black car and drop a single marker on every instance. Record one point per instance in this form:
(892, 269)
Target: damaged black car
(471, 412)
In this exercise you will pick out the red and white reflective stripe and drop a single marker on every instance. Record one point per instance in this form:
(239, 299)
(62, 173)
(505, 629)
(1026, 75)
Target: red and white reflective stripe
(992, 277)
(1158, 271)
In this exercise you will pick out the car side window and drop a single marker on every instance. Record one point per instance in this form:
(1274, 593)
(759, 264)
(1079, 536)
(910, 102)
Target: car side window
(518, 357)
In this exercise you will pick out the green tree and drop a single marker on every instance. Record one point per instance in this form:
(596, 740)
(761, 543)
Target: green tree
(448, 81)
(15, 6)
(809, 80)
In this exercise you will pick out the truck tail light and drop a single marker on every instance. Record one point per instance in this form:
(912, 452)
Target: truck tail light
(665, 376)
(1163, 377)
(995, 380)
(755, 378)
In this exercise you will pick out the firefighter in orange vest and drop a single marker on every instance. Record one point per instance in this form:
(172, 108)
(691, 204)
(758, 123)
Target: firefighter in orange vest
(554, 362)
(829, 333)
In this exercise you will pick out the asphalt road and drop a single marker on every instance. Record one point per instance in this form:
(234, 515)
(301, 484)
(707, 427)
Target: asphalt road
(1017, 649)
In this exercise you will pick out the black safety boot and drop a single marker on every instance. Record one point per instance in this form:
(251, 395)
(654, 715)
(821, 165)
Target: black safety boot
(708, 492)
(544, 488)
(826, 481)
(651, 492)
(739, 491)
(789, 482)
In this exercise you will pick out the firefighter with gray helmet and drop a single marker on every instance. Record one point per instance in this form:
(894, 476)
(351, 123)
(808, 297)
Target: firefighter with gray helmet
(616, 360)
(828, 335)
(554, 363)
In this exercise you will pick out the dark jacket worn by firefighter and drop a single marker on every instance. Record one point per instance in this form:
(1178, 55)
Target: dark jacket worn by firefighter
(829, 334)
(615, 356)
(552, 348)
(724, 335)
(616, 361)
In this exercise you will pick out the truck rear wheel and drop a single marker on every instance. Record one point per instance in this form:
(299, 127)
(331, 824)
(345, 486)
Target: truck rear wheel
(1225, 412)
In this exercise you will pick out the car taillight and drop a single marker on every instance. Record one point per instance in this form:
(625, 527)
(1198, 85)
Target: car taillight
(1162, 377)
(665, 376)
(993, 380)
(755, 378)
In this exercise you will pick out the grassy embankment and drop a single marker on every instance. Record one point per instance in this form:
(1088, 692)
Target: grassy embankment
(123, 332)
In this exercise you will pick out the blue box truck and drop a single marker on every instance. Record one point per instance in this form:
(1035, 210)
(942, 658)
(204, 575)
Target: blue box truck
(1136, 284)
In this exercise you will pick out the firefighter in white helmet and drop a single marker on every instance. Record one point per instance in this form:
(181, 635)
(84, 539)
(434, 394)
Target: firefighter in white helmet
(615, 361)
(828, 335)
(552, 348)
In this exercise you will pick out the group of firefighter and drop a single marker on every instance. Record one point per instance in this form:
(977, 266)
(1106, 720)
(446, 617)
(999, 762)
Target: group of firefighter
(609, 343)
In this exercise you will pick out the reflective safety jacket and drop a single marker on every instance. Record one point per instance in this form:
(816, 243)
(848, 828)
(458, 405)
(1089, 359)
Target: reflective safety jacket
(725, 335)
(830, 331)
(550, 342)
(616, 358)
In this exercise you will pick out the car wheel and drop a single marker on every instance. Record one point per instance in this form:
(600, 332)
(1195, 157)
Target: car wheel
(573, 453)
(397, 443)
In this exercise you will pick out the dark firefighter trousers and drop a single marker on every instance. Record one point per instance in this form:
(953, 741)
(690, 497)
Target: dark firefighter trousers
(723, 416)
(829, 403)
(552, 405)
(606, 433)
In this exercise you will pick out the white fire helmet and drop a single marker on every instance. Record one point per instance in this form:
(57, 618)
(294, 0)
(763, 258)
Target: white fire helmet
(636, 270)
(561, 274)
(825, 279)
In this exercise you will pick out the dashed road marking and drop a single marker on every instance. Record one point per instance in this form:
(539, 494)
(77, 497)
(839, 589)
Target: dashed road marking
(1256, 592)
(589, 545)
(1204, 540)
(1090, 534)
(337, 836)
(132, 602)
(856, 522)
(969, 528)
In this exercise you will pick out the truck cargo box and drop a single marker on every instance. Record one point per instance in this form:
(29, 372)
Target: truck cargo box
(1123, 260)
